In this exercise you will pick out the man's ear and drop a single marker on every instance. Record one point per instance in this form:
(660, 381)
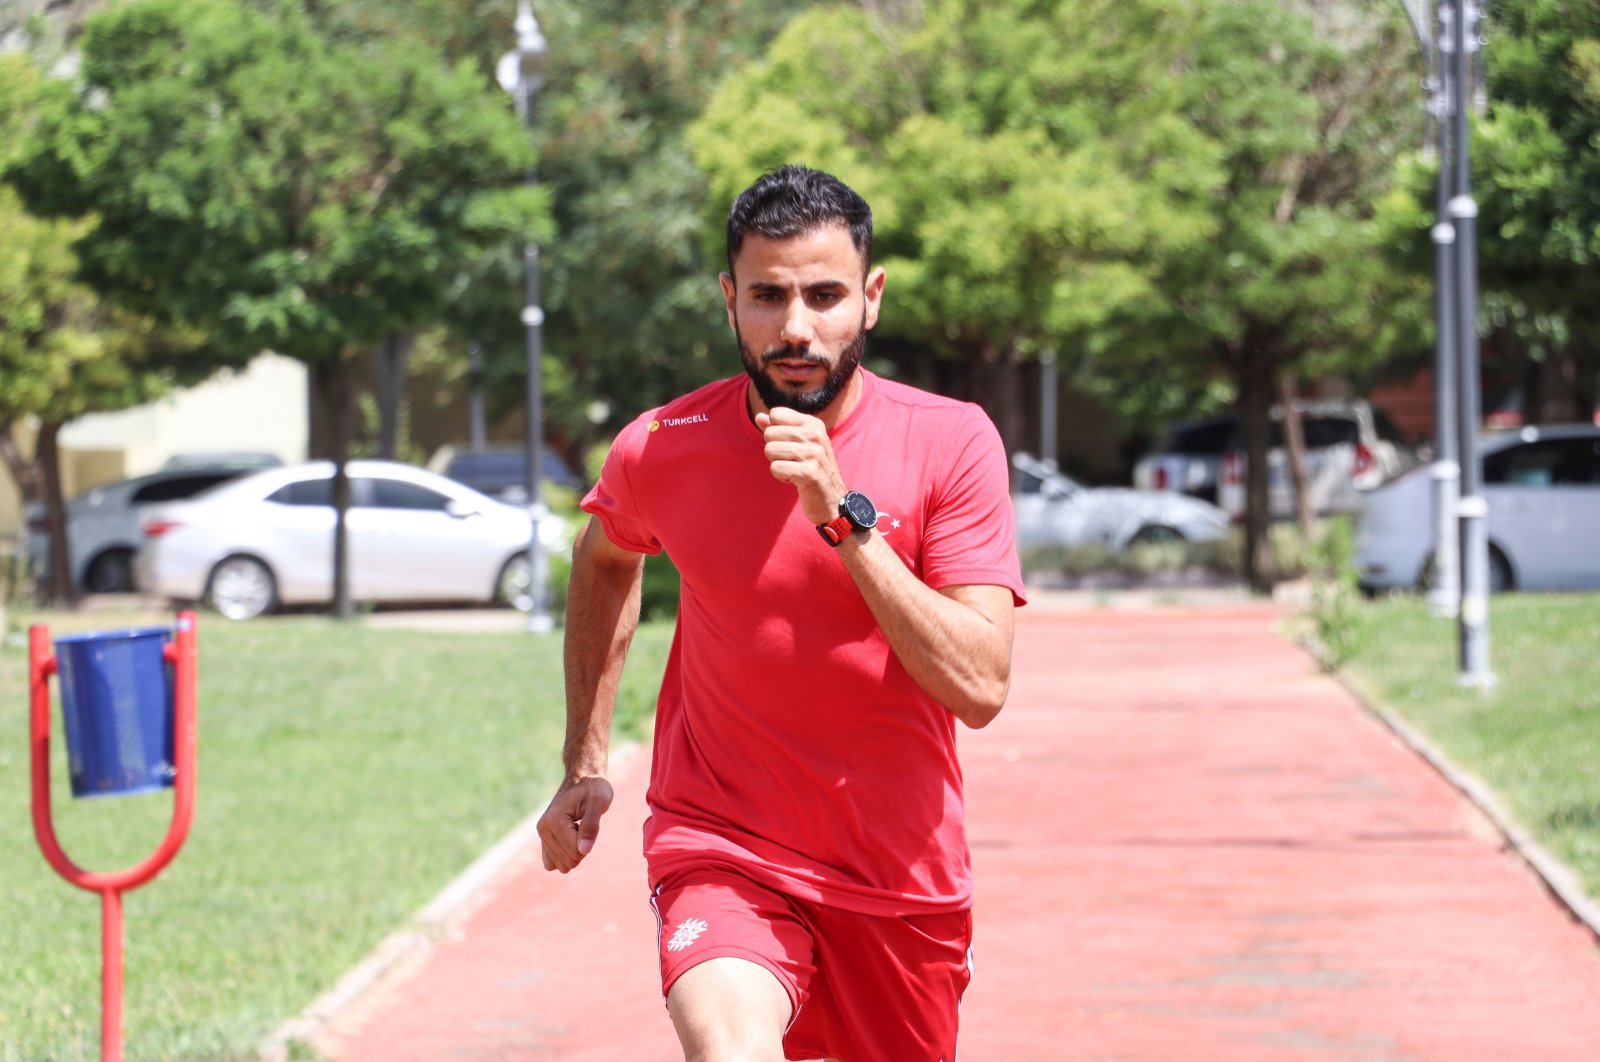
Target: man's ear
(874, 293)
(728, 292)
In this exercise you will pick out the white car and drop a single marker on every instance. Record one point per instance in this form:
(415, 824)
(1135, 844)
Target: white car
(267, 540)
(1055, 510)
(1542, 486)
(1351, 448)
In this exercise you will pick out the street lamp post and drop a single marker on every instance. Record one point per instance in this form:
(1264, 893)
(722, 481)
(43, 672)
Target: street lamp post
(1464, 28)
(1444, 591)
(521, 73)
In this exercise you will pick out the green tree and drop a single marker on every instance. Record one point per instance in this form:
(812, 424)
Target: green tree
(1182, 192)
(64, 351)
(635, 313)
(276, 188)
(1025, 163)
(1536, 163)
(1301, 98)
(628, 287)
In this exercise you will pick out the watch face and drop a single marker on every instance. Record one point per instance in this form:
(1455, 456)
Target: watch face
(860, 511)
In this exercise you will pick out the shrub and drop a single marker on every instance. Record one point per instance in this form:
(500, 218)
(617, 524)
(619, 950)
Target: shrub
(658, 598)
(1335, 596)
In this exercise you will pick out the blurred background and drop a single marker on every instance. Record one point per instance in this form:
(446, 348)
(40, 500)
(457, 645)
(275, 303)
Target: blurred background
(1126, 229)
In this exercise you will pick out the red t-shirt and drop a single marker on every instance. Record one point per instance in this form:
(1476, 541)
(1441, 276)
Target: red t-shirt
(789, 740)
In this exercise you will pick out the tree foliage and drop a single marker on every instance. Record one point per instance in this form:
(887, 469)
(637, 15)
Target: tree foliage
(1300, 99)
(1536, 174)
(284, 191)
(635, 314)
(64, 351)
(1026, 164)
(630, 298)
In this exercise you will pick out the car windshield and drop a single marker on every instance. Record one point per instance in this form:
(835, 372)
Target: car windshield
(1320, 433)
(1323, 432)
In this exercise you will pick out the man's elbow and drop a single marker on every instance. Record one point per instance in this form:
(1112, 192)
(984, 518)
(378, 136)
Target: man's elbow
(979, 708)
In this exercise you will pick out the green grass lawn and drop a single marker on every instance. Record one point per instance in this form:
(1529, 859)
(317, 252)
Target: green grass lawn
(346, 774)
(1534, 738)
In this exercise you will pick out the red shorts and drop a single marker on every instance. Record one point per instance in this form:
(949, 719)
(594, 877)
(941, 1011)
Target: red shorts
(864, 988)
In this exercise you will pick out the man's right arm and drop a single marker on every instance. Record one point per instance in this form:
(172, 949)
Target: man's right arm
(602, 615)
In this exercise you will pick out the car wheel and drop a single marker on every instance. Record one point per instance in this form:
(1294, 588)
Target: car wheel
(515, 585)
(242, 588)
(110, 572)
(1500, 579)
(1156, 535)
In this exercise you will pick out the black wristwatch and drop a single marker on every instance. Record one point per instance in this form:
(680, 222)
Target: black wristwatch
(856, 513)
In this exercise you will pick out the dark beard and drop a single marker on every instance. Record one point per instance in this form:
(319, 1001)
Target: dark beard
(808, 402)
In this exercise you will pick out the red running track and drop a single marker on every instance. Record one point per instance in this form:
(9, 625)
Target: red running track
(1188, 845)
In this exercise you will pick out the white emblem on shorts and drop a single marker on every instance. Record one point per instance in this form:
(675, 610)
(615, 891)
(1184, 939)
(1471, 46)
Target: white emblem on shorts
(687, 933)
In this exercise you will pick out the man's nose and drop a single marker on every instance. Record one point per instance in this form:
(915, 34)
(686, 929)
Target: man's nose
(798, 329)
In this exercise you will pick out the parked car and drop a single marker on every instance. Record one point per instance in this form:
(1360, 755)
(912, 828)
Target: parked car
(501, 471)
(103, 524)
(1055, 510)
(267, 540)
(1350, 448)
(1189, 458)
(1542, 486)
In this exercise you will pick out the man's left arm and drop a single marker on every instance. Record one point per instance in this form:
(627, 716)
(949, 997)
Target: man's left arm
(954, 642)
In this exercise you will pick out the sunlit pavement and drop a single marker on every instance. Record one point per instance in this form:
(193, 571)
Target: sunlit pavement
(1188, 845)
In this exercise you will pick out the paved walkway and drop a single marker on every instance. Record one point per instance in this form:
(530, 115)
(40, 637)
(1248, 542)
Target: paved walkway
(1188, 845)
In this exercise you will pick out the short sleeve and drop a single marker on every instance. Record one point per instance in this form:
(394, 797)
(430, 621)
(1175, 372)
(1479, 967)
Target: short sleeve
(971, 536)
(612, 500)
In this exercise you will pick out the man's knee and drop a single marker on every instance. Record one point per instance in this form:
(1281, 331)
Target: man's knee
(729, 1010)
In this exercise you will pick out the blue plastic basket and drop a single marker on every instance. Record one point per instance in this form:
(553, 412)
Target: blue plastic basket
(116, 704)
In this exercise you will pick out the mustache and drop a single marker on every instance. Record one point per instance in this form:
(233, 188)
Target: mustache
(790, 352)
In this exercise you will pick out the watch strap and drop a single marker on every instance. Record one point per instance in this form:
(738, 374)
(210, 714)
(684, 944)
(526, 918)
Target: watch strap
(835, 531)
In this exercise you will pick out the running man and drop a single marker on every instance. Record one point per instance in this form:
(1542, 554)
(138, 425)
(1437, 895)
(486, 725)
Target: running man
(846, 545)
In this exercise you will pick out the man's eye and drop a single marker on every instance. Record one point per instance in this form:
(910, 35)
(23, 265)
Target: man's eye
(826, 298)
(768, 297)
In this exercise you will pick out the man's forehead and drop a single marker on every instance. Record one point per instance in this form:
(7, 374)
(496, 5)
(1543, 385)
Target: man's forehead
(825, 252)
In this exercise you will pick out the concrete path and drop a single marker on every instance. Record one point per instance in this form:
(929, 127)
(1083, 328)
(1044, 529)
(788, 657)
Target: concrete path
(1188, 845)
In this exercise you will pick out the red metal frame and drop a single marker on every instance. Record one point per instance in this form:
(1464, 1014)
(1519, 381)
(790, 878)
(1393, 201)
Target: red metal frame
(182, 653)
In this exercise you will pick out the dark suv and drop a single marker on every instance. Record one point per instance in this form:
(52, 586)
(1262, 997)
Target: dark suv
(501, 472)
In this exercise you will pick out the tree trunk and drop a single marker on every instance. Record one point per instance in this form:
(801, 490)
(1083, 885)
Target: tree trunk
(29, 480)
(1555, 394)
(393, 355)
(333, 384)
(25, 471)
(1008, 398)
(995, 383)
(1294, 445)
(58, 589)
(1255, 424)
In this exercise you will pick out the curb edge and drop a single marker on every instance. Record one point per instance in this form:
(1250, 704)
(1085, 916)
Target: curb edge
(1557, 878)
(417, 936)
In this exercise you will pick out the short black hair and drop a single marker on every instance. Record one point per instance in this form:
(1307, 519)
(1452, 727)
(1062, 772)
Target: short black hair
(793, 200)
